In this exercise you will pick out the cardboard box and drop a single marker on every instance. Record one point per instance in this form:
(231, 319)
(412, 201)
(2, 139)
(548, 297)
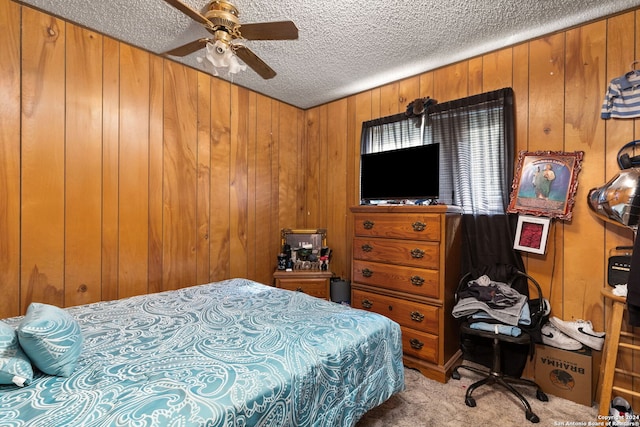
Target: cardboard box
(566, 374)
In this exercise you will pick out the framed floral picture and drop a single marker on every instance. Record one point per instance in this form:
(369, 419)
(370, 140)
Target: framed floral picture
(531, 234)
(545, 183)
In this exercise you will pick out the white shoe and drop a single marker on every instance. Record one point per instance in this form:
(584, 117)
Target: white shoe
(621, 413)
(556, 338)
(581, 330)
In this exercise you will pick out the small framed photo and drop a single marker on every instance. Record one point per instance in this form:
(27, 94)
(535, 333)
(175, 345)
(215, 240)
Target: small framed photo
(531, 234)
(545, 184)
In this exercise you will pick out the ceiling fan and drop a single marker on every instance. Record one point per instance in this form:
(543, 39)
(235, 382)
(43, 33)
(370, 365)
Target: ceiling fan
(221, 19)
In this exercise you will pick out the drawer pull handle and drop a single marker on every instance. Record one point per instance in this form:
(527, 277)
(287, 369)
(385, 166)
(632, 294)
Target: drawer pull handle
(366, 303)
(416, 316)
(367, 247)
(416, 344)
(417, 253)
(368, 225)
(417, 280)
(298, 289)
(367, 273)
(419, 226)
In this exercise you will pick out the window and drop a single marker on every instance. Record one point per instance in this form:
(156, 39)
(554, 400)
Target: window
(476, 147)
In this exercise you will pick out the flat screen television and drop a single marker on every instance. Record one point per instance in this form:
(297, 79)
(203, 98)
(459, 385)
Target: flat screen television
(403, 174)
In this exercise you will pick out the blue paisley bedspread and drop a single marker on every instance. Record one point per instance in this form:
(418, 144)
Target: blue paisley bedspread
(233, 353)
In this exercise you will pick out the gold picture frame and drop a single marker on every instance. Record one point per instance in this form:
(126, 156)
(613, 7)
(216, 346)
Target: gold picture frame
(296, 238)
(545, 183)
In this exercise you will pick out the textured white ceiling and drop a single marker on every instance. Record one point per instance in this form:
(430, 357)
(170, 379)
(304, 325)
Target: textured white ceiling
(346, 46)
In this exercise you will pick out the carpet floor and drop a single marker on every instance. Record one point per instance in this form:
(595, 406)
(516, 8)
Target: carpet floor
(429, 403)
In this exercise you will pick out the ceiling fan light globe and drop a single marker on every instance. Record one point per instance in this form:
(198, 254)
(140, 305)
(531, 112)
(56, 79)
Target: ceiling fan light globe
(220, 55)
(235, 66)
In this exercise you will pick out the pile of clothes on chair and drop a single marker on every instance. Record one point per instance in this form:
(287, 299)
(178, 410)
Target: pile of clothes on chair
(493, 306)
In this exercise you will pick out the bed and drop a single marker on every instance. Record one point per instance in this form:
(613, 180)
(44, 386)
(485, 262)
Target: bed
(231, 353)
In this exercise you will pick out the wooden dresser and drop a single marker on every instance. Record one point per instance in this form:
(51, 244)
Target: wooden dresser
(406, 266)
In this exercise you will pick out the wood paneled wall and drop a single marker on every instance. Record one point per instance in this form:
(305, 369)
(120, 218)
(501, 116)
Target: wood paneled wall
(125, 173)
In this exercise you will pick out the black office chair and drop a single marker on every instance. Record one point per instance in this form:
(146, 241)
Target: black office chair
(494, 374)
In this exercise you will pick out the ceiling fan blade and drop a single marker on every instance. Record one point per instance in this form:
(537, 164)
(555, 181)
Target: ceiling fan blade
(252, 60)
(190, 12)
(188, 48)
(281, 30)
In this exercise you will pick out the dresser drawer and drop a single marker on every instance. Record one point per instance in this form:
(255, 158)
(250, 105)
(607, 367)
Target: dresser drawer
(398, 226)
(404, 252)
(419, 344)
(422, 317)
(415, 281)
(314, 287)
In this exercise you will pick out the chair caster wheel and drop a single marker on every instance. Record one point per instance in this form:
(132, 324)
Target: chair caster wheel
(455, 375)
(532, 417)
(542, 396)
(470, 401)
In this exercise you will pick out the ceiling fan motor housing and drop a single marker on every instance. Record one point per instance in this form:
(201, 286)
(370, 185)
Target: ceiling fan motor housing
(221, 13)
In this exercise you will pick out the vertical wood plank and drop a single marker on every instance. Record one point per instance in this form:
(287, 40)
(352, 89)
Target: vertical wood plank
(585, 61)
(352, 197)
(313, 178)
(266, 242)
(203, 201)
(324, 202)
(297, 118)
(546, 132)
(389, 95)
(83, 177)
(133, 203)
(376, 108)
(275, 175)
(408, 91)
(546, 95)
(476, 76)
(521, 95)
(354, 131)
(179, 176)
(156, 168)
(220, 180)
(251, 186)
(289, 166)
(10, 158)
(238, 185)
(336, 183)
(43, 101)
(497, 70)
(110, 167)
(451, 82)
(426, 85)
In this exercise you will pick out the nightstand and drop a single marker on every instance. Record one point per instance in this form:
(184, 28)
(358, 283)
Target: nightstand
(312, 282)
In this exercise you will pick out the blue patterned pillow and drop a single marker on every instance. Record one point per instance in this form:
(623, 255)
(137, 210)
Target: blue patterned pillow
(15, 367)
(51, 338)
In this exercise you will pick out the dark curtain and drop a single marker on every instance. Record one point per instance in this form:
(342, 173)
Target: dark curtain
(478, 158)
(477, 136)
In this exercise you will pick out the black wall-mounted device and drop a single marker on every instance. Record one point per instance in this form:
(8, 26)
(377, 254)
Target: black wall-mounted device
(619, 265)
